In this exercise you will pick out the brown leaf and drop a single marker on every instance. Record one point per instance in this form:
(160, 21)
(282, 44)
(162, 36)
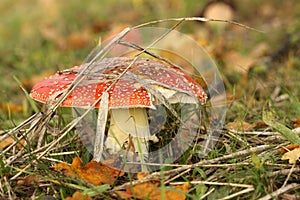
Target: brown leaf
(79, 40)
(240, 125)
(78, 196)
(28, 180)
(8, 141)
(260, 125)
(288, 148)
(93, 172)
(13, 108)
(292, 156)
(296, 122)
(51, 34)
(150, 190)
(99, 26)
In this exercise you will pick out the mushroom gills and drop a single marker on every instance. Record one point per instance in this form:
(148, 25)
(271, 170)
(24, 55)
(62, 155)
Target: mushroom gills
(129, 125)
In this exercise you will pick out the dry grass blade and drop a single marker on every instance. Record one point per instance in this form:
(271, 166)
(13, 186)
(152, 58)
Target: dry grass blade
(201, 19)
(100, 131)
(216, 183)
(238, 193)
(280, 191)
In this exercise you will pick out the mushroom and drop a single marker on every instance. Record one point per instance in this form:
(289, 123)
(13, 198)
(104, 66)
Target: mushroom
(145, 83)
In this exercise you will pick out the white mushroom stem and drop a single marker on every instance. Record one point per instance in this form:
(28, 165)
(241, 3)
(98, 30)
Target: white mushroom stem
(125, 123)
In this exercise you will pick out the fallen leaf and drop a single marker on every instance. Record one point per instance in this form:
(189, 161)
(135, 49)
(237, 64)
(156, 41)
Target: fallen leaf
(292, 156)
(28, 180)
(10, 107)
(240, 125)
(150, 190)
(79, 40)
(99, 26)
(51, 34)
(78, 196)
(141, 175)
(288, 148)
(93, 172)
(8, 141)
(242, 63)
(239, 62)
(296, 122)
(260, 125)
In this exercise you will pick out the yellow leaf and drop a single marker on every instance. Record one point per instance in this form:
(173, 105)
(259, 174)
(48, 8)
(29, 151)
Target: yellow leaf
(292, 156)
(288, 148)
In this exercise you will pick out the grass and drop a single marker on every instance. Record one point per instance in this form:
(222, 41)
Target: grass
(244, 164)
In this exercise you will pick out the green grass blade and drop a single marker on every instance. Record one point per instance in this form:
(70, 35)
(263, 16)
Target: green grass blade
(91, 191)
(268, 117)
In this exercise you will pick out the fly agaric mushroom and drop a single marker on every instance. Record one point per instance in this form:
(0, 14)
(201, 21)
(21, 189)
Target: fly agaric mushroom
(128, 97)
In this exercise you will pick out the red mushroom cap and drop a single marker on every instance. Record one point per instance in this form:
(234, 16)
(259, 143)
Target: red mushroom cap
(125, 93)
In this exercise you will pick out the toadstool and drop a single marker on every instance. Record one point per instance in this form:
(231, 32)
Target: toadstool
(129, 96)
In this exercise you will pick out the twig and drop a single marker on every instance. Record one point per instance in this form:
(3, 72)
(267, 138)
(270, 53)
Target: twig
(215, 183)
(284, 172)
(288, 176)
(207, 193)
(237, 193)
(177, 176)
(11, 194)
(280, 191)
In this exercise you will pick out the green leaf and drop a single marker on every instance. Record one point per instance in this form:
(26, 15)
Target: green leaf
(256, 161)
(269, 118)
(91, 191)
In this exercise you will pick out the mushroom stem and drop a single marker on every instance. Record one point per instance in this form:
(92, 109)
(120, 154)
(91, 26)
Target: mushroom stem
(125, 124)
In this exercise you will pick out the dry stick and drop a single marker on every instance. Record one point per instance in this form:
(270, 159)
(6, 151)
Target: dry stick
(237, 193)
(10, 192)
(280, 191)
(156, 175)
(215, 183)
(177, 176)
(284, 172)
(288, 176)
(263, 133)
(207, 193)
